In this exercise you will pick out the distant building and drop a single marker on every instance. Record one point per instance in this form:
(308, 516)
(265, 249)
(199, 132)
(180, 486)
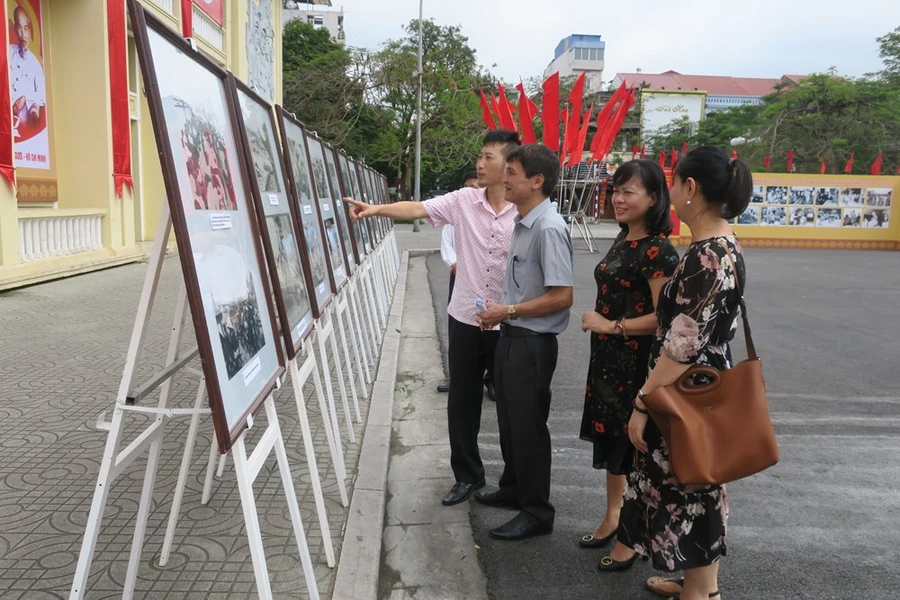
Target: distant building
(579, 54)
(318, 13)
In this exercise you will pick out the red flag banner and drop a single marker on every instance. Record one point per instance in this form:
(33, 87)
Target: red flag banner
(616, 125)
(662, 158)
(214, 9)
(486, 114)
(822, 167)
(876, 166)
(574, 121)
(603, 119)
(767, 161)
(187, 18)
(674, 158)
(550, 112)
(6, 131)
(564, 115)
(634, 152)
(734, 154)
(684, 148)
(526, 116)
(507, 121)
(119, 104)
(848, 168)
(790, 163)
(578, 146)
(643, 150)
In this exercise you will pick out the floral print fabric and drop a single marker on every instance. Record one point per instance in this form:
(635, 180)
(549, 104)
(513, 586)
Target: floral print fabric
(684, 527)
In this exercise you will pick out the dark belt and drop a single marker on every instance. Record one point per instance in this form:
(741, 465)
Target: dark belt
(511, 331)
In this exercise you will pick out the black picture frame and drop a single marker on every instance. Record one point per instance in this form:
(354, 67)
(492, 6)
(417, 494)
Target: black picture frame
(328, 217)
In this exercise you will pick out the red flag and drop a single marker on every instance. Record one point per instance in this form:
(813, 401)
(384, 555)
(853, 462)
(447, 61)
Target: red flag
(684, 148)
(564, 115)
(876, 166)
(578, 145)
(615, 126)
(674, 158)
(574, 121)
(734, 154)
(604, 117)
(6, 130)
(118, 86)
(643, 150)
(767, 161)
(848, 168)
(507, 121)
(822, 167)
(790, 164)
(526, 115)
(550, 112)
(486, 114)
(187, 18)
(662, 159)
(495, 105)
(634, 152)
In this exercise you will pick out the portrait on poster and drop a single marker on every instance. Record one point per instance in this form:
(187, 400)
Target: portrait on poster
(337, 199)
(776, 195)
(852, 218)
(827, 196)
(359, 227)
(828, 217)
(28, 84)
(214, 215)
(802, 196)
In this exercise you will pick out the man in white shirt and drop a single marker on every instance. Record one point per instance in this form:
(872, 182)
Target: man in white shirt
(25, 71)
(448, 254)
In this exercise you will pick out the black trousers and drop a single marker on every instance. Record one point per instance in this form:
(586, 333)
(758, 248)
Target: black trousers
(522, 376)
(471, 350)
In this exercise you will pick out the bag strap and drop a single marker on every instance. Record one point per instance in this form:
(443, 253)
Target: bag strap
(748, 336)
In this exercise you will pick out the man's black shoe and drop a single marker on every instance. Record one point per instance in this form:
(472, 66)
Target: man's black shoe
(521, 527)
(460, 492)
(444, 387)
(498, 498)
(491, 394)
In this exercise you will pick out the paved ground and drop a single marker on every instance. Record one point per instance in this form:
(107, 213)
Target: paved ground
(61, 358)
(821, 524)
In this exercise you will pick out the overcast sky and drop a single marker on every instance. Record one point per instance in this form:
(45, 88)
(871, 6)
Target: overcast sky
(698, 37)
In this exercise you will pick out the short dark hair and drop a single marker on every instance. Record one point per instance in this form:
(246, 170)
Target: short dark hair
(509, 139)
(725, 182)
(537, 159)
(470, 175)
(658, 218)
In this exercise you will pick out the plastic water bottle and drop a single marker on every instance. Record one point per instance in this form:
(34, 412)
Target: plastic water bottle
(479, 305)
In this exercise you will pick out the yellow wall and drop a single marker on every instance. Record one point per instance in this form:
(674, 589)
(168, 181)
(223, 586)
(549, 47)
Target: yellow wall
(815, 236)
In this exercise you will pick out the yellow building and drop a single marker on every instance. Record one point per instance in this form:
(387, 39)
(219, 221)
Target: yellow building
(64, 216)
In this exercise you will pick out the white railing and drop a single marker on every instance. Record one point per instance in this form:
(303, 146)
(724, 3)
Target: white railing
(47, 237)
(166, 5)
(208, 30)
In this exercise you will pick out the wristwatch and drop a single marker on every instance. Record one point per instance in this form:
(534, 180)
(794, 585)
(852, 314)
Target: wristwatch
(511, 313)
(619, 328)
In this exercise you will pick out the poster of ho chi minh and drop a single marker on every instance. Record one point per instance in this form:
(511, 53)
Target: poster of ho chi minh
(327, 211)
(339, 211)
(288, 263)
(297, 168)
(194, 122)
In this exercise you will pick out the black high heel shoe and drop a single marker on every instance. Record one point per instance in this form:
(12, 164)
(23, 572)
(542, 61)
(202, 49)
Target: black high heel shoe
(608, 563)
(589, 541)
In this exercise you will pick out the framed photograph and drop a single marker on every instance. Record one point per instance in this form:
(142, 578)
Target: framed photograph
(378, 224)
(829, 217)
(389, 224)
(340, 213)
(773, 215)
(802, 196)
(876, 218)
(776, 195)
(297, 168)
(827, 196)
(851, 197)
(288, 263)
(355, 243)
(360, 228)
(759, 192)
(880, 197)
(195, 122)
(852, 218)
(802, 217)
(330, 231)
(366, 192)
(749, 216)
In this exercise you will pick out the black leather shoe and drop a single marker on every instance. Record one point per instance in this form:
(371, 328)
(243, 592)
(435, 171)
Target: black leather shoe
(443, 387)
(589, 541)
(489, 388)
(460, 492)
(608, 563)
(521, 527)
(498, 498)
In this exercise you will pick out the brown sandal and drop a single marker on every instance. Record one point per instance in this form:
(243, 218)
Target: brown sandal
(665, 586)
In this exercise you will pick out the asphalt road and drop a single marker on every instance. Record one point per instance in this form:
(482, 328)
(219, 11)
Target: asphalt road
(824, 522)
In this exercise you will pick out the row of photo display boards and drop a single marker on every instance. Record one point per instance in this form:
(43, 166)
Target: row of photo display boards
(821, 206)
(248, 187)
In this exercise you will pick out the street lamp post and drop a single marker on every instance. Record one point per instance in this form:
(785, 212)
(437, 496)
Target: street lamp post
(419, 119)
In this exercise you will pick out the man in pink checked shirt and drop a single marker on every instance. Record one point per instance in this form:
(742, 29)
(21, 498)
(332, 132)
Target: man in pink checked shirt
(483, 224)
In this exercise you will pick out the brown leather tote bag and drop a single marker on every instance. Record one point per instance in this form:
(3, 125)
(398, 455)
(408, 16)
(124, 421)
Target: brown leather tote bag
(718, 430)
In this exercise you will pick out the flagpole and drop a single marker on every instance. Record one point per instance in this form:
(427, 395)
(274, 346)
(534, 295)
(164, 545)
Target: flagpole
(418, 196)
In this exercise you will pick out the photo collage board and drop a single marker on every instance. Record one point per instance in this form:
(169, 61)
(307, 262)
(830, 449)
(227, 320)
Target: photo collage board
(829, 205)
(257, 209)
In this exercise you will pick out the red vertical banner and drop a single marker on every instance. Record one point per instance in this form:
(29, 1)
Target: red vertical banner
(550, 112)
(187, 18)
(6, 130)
(118, 86)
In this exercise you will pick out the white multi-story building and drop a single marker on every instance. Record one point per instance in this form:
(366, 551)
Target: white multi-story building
(318, 13)
(579, 54)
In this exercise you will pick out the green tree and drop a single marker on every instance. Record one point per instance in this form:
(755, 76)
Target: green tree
(889, 51)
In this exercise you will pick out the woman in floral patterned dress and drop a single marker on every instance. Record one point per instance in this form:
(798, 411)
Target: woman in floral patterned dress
(684, 527)
(629, 280)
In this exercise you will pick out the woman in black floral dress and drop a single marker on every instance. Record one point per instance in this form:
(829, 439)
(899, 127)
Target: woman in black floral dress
(683, 527)
(629, 279)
